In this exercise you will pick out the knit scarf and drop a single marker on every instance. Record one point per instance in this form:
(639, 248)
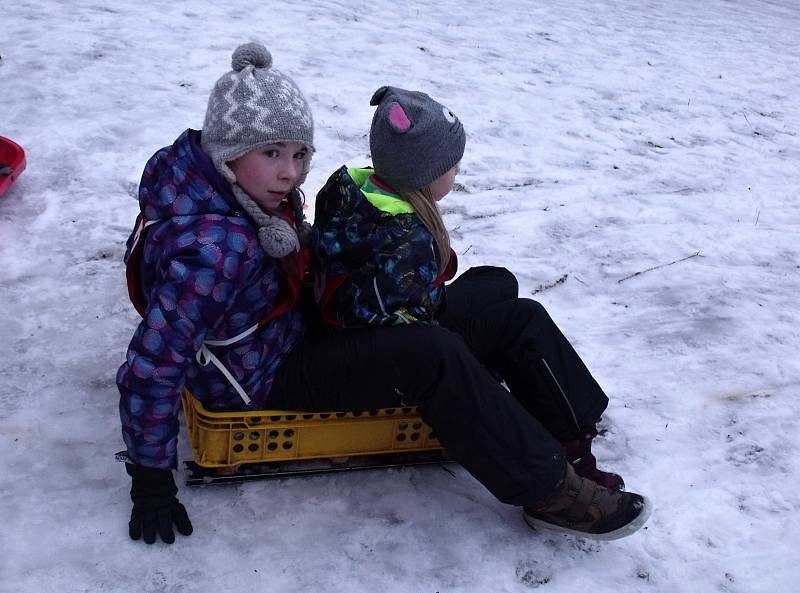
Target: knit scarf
(276, 235)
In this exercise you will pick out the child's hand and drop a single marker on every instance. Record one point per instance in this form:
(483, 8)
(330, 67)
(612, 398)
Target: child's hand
(155, 506)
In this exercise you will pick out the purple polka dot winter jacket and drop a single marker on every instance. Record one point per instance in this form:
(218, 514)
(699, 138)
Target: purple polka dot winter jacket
(205, 278)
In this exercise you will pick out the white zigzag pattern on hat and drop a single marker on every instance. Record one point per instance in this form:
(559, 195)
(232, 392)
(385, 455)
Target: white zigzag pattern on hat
(261, 124)
(294, 101)
(234, 129)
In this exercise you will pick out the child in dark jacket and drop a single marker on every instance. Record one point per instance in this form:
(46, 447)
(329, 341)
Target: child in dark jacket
(383, 254)
(215, 268)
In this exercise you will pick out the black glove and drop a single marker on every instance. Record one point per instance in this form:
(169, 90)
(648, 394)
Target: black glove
(155, 506)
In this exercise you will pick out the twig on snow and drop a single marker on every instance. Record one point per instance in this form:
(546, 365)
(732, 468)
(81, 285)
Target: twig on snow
(657, 267)
(543, 287)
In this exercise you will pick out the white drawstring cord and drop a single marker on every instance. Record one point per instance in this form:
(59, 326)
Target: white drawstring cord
(204, 356)
(232, 340)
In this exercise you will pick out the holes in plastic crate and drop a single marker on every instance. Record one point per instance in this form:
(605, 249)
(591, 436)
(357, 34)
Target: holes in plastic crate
(246, 432)
(403, 426)
(412, 430)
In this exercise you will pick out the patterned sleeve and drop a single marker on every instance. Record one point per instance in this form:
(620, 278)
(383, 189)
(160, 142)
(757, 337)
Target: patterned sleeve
(195, 286)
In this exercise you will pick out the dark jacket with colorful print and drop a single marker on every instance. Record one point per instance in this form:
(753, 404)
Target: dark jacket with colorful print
(203, 276)
(375, 261)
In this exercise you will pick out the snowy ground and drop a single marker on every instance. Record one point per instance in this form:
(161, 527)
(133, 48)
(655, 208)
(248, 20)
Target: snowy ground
(606, 138)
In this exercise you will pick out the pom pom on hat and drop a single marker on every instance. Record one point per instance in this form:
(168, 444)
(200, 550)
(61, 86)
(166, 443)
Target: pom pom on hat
(251, 54)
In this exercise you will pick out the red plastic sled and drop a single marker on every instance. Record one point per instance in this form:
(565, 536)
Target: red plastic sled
(12, 163)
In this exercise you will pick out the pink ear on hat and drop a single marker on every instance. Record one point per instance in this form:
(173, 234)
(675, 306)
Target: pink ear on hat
(398, 118)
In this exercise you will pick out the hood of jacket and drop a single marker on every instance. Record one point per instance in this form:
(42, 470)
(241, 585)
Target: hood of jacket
(353, 216)
(181, 180)
(375, 261)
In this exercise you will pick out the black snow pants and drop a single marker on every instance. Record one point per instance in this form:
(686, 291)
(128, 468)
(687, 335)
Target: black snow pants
(507, 438)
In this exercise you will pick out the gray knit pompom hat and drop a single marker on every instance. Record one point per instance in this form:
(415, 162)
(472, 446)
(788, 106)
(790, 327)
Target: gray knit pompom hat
(414, 140)
(251, 106)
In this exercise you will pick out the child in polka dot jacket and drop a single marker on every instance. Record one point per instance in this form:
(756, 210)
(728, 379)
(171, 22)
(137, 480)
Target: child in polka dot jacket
(215, 267)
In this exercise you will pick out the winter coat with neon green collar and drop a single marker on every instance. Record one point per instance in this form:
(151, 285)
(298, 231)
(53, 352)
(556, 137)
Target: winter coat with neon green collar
(375, 261)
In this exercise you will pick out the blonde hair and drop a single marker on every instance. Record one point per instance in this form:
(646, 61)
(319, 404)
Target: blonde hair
(428, 212)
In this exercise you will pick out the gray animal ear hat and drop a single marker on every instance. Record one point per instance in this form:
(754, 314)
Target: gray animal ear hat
(414, 140)
(251, 106)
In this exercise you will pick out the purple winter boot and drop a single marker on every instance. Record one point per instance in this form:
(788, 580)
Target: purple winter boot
(579, 454)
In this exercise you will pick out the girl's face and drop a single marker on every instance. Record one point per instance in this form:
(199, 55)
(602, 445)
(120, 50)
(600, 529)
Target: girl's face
(444, 184)
(269, 173)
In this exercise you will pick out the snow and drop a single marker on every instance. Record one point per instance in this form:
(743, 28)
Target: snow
(605, 138)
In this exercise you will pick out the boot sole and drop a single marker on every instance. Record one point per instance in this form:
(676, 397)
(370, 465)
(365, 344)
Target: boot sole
(618, 533)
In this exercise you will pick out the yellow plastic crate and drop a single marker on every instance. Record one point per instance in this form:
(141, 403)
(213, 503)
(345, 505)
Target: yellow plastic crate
(228, 439)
